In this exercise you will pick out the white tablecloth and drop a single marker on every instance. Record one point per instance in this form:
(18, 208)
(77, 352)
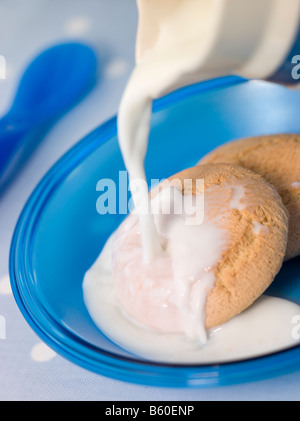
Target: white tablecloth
(29, 370)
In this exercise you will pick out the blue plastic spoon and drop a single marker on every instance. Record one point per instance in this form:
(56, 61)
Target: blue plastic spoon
(52, 84)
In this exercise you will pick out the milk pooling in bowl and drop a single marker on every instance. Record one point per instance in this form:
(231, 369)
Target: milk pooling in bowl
(169, 294)
(188, 303)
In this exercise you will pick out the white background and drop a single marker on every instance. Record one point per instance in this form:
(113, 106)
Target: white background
(29, 370)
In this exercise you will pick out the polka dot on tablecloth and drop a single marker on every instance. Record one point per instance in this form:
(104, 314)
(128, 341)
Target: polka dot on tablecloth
(77, 25)
(5, 288)
(42, 353)
(116, 68)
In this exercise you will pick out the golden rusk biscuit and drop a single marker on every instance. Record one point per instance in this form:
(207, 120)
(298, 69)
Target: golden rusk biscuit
(277, 159)
(252, 259)
(251, 213)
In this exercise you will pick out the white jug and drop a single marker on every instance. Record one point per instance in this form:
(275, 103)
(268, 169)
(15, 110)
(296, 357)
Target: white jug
(251, 38)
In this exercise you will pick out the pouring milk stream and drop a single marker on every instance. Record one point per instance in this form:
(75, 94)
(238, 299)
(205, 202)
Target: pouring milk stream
(180, 42)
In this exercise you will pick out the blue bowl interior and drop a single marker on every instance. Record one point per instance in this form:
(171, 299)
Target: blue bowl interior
(63, 229)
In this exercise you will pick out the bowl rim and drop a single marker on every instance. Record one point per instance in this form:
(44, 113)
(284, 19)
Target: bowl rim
(80, 351)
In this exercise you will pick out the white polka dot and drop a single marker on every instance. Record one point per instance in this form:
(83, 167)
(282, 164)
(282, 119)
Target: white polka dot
(116, 68)
(6, 73)
(5, 288)
(41, 353)
(77, 25)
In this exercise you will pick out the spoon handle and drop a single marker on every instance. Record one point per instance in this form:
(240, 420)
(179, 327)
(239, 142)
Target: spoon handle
(14, 145)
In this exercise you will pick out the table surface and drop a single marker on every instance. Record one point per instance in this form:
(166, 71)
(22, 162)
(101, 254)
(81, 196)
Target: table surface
(29, 370)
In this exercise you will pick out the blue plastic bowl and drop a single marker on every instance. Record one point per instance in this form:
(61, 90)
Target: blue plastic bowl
(60, 234)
